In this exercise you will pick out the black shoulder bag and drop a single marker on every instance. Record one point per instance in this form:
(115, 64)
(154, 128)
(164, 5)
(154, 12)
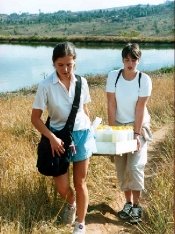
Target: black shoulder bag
(58, 165)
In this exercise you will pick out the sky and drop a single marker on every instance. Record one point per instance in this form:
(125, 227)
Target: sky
(49, 6)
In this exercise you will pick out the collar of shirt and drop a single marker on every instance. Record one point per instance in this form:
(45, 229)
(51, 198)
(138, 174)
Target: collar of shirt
(56, 79)
(73, 80)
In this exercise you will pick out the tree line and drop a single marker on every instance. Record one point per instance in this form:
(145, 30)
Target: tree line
(106, 15)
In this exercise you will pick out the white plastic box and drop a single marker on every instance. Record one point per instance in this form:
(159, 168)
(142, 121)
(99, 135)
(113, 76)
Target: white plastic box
(117, 148)
(113, 140)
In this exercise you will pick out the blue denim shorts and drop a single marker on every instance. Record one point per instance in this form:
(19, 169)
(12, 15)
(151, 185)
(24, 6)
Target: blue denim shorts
(84, 145)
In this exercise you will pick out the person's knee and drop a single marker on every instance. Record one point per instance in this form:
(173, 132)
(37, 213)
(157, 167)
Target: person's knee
(80, 185)
(64, 191)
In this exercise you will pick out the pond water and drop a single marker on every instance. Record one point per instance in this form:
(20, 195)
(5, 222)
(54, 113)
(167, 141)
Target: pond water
(25, 65)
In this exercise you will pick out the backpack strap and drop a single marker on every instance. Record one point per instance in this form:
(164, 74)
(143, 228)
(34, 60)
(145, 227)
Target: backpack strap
(75, 105)
(140, 75)
(119, 73)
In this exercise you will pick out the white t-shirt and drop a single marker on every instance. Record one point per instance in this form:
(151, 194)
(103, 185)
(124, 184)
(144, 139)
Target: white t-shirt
(53, 96)
(127, 93)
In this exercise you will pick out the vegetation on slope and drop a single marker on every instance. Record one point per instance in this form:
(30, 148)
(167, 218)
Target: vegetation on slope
(140, 22)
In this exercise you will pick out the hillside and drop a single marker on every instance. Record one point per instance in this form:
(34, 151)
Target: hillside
(140, 21)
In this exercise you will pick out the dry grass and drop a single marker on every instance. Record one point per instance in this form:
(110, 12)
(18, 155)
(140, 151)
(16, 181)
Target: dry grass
(159, 211)
(161, 102)
(28, 201)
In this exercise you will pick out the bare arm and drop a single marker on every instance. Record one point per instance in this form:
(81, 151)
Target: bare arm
(56, 143)
(111, 108)
(86, 110)
(38, 123)
(139, 113)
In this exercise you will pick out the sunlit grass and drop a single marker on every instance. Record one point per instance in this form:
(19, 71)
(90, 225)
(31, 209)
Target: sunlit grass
(159, 207)
(162, 100)
(28, 201)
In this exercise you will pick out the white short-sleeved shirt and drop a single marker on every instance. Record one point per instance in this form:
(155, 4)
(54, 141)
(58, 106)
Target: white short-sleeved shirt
(127, 93)
(53, 96)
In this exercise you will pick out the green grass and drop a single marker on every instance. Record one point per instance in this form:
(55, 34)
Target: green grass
(144, 24)
(156, 27)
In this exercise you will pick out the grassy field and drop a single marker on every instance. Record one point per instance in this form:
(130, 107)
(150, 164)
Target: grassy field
(28, 201)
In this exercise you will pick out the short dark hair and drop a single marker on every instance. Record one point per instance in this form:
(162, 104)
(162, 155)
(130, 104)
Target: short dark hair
(63, 49)
(133, 50)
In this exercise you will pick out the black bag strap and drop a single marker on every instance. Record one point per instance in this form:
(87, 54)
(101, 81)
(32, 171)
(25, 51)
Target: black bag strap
(71, 118)
(119, 73)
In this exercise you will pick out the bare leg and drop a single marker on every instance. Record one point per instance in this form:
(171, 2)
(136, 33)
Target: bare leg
(79, 177)
(136, 196)
(63, 188)
(128, 195)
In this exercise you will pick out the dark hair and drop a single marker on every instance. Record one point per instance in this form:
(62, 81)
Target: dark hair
(133, 50)
(63, 49)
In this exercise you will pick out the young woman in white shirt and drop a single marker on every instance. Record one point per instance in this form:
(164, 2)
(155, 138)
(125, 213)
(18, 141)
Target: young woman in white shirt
(56, 94)
(127, 105)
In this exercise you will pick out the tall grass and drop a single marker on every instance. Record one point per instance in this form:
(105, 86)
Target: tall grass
(159, 211)
(161, 102)
(90, 39)
(28, 201)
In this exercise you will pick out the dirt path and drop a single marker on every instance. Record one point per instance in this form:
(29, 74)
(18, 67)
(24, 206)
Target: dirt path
(102, 218)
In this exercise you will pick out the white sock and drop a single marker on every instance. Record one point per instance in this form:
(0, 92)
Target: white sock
(72, 205)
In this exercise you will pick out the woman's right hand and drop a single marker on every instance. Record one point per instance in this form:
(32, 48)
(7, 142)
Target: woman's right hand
(57, 145)
(137, 137)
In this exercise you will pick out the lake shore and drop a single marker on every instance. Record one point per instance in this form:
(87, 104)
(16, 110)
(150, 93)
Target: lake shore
(95, 81)
(91, 40)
